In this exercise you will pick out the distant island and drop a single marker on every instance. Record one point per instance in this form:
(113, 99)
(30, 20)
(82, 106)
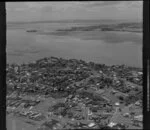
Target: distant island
(122, 27)
(128, 27)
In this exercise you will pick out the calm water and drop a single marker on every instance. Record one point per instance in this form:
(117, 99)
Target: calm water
(103, 47)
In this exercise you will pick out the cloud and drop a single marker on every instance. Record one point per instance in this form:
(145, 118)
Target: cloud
(73, 10)
(36, 5)
(13, 6)
(101, 3)
(49, 6)
(129, 5)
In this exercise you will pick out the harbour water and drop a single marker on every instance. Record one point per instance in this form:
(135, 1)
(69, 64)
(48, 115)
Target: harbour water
(108, 48)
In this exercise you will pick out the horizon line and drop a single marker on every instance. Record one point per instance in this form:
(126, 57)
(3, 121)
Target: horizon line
(72, 20)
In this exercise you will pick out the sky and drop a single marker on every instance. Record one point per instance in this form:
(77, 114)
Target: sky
(40, 11)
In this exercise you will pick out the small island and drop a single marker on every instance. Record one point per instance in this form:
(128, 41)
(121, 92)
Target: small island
(32, 30)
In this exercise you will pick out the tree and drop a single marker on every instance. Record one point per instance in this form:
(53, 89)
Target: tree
(2, 66)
